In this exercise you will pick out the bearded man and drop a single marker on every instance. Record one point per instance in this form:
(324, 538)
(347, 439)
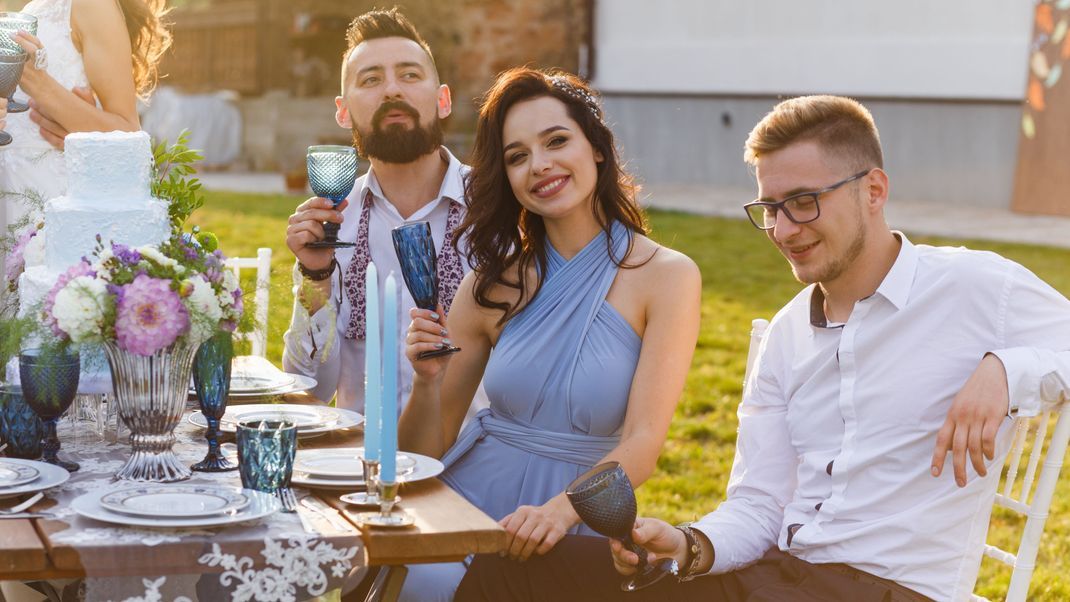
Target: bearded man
(394, 103)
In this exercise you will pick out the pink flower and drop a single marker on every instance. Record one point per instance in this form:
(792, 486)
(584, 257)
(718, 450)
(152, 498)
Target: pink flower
(16, 260)
(150, 316)
(81, 268)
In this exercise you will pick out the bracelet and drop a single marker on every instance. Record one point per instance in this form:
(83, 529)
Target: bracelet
(317, 275)
(694, 553)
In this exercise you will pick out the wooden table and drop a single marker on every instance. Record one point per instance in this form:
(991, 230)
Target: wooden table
(447, 529)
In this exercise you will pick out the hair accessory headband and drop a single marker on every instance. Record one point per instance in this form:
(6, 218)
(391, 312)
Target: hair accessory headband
(579, 94)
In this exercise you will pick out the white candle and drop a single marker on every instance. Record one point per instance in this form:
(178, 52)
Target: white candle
(389, 435)
(372, 365)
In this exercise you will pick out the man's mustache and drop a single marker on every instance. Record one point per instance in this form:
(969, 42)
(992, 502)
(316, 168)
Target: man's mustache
(394, 105)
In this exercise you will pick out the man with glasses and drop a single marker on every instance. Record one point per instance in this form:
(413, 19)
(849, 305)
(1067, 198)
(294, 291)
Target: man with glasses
(892, 357)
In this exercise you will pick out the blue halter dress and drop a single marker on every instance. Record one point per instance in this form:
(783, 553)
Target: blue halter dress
(558, 382)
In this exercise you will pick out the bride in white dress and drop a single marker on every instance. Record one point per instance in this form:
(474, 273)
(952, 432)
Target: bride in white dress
(103, 48)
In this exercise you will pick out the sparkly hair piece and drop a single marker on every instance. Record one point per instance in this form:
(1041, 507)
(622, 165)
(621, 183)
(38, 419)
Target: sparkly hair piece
(583, 96)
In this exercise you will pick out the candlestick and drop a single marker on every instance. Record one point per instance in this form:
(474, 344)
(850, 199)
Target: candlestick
(389, 436)
(372, 365)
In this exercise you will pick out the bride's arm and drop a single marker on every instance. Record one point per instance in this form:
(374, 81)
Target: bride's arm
(106, 54)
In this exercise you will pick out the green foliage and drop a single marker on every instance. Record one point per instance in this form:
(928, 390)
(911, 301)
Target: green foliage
(173, 181)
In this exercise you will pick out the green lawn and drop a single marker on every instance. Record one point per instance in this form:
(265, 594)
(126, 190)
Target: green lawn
(743, 278)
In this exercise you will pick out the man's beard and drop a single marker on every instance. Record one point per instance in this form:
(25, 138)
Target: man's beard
(395, 143)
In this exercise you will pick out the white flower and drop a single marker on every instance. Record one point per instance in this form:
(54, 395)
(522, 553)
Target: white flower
(153, 254)
(204, 308)
(79, 308)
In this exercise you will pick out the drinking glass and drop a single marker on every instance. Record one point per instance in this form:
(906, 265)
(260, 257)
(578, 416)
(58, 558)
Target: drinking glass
(266, 450)
(49, 384)
(20, 427)
(332, 170)
(10, 24)
(11, 65)
(605, 500)
(419, 266)
(211, 381)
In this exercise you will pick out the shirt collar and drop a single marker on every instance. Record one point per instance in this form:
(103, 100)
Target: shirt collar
(895, 287)
(452, 187)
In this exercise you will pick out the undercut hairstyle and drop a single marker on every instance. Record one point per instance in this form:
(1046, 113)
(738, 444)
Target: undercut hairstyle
(498, 231)
(842, 127)
(377, 24)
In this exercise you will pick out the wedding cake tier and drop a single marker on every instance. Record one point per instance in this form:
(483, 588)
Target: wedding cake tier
(108, 193)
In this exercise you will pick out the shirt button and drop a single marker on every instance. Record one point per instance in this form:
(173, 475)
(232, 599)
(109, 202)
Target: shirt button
(828, 468)
(792, 528)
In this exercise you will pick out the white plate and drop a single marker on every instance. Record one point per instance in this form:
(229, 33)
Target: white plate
(344, 463)
(12, 474)
(175, 501)
(298, 383)
(50, 476)
(260, 505)
(303, 416)
(253, 383)
(425, 468)
(341, 418)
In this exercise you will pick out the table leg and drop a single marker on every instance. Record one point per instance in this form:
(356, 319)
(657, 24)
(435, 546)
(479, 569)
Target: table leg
(387, 585)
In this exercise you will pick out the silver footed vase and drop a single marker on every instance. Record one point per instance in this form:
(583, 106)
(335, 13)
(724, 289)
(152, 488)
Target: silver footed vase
(151, 392)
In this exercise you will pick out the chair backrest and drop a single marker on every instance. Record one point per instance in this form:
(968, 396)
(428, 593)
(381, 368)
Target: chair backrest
(1029, 496)
(262, 264)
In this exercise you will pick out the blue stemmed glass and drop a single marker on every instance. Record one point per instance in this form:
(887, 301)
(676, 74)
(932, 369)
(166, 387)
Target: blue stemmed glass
(49, 384)
(605, 500)
(20, 427)
(266, 450)
(332, 170)
(419, 266)
(10, 24)
(211, 381)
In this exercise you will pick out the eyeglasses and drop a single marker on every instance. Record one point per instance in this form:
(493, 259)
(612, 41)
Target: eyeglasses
(801, 208)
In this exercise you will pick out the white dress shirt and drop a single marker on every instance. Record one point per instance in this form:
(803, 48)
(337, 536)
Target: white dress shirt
(838, 422)
(316, 345)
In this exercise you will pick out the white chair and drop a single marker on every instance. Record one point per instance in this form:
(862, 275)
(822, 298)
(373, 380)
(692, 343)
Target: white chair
(262, 264)
(1035, 510)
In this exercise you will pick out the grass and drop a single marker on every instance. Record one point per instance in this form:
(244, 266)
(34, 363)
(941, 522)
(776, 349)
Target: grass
(743, 278)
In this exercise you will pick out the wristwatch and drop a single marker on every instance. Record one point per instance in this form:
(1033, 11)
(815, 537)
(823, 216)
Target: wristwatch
(317, 275)
(694, 553)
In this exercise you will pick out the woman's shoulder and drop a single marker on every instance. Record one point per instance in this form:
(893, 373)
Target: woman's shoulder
(657, 260)
(97, 17)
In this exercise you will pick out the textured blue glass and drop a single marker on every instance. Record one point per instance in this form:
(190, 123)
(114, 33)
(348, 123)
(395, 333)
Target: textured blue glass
(332, 170)
(49, 385)
(11, 65)
(605, 500)
(266, 455)
(419, 264)
(211, 381)
(10, 24)
(20, 427)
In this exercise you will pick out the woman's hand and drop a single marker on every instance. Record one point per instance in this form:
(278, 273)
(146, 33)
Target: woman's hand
(427, 332)
(33, 73)
(537, 529)
(50, 129)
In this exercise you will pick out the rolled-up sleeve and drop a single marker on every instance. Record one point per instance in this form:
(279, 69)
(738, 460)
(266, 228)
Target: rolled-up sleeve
(311, 342)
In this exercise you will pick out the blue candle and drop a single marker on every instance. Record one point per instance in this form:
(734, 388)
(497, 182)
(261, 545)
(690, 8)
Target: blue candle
(372, 365)
(389, 437)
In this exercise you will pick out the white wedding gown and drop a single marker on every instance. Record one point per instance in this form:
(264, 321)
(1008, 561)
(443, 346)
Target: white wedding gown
(31, 170)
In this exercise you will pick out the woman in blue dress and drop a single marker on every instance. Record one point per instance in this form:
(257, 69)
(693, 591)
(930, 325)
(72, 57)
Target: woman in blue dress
(580, 327)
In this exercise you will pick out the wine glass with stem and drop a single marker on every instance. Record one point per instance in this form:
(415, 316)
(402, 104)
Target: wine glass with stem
(332, 171)
(419, 267)
(49, 379)
(605, 500)
(10, 24)
(211, 381)
(11, 65)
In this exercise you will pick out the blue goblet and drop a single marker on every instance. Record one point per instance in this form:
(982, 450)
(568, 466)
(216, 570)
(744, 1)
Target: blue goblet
(211, 381)
(266, 450)
(49, 384)
(20, 426)
(419, 266)
(11, 64)
(605, 500)
(10, 24)
(332, 170)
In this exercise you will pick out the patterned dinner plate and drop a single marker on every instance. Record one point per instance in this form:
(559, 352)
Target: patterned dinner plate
(254, 383)
(425, 467)
(175, 501)
(310, 419)
(12, 473)
(260, 505)
(343, 462)
(50, 476)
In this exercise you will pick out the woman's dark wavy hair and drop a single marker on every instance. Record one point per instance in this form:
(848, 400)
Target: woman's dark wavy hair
(498, 231)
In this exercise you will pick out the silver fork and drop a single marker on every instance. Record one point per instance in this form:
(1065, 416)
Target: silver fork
(288, 499)
(24, 505)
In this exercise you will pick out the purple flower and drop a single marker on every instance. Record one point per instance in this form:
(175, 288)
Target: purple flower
(16, 261)
(150, 316)
(79, 269)
(125, 254)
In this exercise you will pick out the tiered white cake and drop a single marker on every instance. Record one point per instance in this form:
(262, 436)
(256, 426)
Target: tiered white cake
(108, 193)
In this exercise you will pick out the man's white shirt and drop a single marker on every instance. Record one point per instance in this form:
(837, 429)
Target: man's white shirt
(316, 345)
(838, 422)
